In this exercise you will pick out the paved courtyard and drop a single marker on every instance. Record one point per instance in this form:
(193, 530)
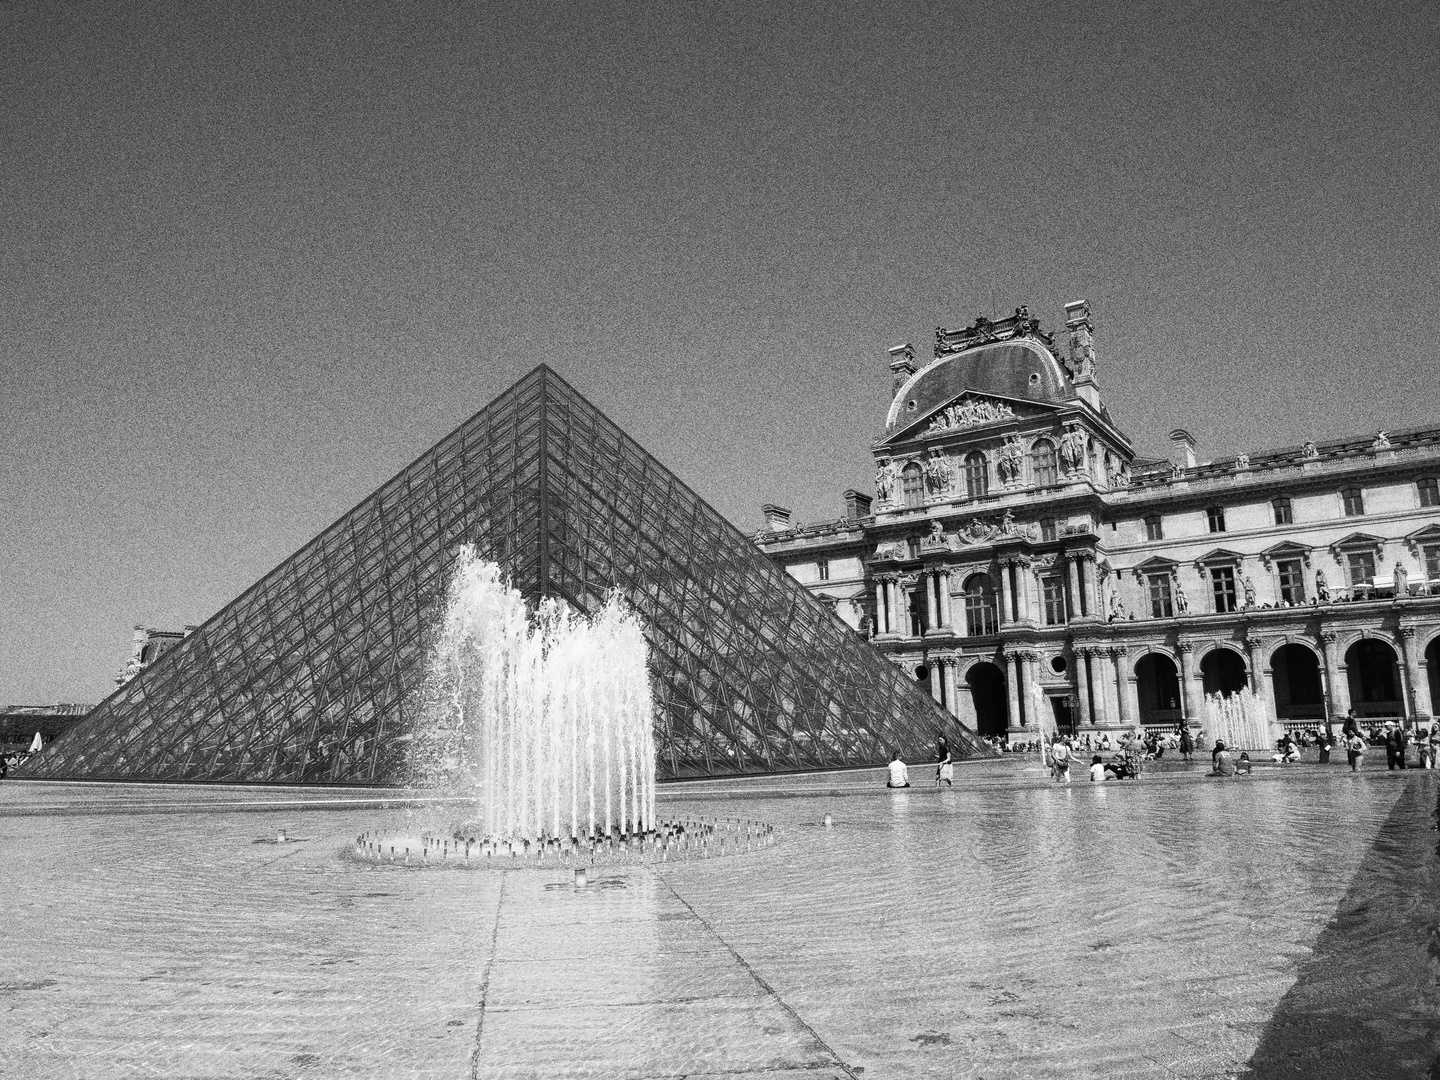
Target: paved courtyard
(1286, 925)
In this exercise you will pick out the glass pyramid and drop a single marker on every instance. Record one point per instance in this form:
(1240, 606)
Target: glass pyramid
(313, 674)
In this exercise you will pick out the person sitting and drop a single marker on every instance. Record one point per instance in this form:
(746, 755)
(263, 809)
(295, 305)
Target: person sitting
(1097, 769)
(1221, 757)
(1118, 768)
(1242, 767)
(899, 774)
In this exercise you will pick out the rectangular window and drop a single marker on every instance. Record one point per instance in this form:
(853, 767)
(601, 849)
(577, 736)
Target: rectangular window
(1429, 491)
(1283, 514)
(822, 569)
(1162, 606)
(1354, 502)
(1222, 585)
(915, 600)
(912, 543)
(1153, 528)
(1216, 517)
(1053, 587)
(1292, 581)
(1432, 562)
(1362, 567)
(1047, 529)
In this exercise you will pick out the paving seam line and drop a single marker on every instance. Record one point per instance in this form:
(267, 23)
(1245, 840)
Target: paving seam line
(485, 978)
(839, 1061)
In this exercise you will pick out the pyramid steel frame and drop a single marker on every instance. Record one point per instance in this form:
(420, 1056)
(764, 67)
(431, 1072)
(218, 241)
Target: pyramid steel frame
(313, 675)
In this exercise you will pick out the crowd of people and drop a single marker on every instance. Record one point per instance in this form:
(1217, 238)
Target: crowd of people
(1122, 757)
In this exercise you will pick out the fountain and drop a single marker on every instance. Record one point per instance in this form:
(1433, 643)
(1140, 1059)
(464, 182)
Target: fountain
(546, 723)
(1240, 720)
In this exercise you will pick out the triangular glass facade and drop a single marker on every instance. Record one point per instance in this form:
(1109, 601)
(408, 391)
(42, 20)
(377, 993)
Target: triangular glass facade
(311, 676)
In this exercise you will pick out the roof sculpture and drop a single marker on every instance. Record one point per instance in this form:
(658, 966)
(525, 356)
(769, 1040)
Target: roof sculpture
(313, 674)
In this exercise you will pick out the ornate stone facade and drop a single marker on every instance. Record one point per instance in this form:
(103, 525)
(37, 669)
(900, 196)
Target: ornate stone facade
(1020, 557)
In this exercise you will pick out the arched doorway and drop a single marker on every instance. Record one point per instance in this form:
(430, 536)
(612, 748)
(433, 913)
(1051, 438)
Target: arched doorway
(1158, 688)
(1222, 672)
(987, 691)
(1299, 692)
(1374, 676)
(1432, 670)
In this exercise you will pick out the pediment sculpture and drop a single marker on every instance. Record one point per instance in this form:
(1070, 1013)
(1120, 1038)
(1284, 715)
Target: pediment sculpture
(970, 412)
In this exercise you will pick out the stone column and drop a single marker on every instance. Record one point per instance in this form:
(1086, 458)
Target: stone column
(943, 577)
(899, 613)
(1005, 609)
(1024, 592)
(1252, 653)
(1012, 687)
(1414, 675)
(961, 703)
(1072, 590)
(1029, 662)
(1082, 686)
(1088, 586)
(1337, 697)
(1187, 689)
(932, 601)
(937, 691)
(1122, 686)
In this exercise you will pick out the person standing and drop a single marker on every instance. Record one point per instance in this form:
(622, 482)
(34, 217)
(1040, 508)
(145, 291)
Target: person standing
(1326, 740)
(1060, 755)
(1355, 749)
(944, 764)
(1395, 740)
(1352, 726)
(1187, 744)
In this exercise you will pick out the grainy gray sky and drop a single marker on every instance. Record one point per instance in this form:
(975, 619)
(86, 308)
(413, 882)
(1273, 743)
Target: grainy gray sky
(257, 257)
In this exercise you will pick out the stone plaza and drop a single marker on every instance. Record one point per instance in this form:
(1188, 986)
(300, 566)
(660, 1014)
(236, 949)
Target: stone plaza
(1010, 927)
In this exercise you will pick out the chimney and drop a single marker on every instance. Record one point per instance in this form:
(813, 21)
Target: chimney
(777, 518)
(1184, 448)
(856, 505)
(902, 366)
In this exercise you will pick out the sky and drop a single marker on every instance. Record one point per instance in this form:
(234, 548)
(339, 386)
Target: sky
(255, 258)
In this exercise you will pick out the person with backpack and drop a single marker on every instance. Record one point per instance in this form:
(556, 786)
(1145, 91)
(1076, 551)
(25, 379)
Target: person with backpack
(1060, 759)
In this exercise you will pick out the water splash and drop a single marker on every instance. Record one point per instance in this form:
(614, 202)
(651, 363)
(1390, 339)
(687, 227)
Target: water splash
(1241, 720)
(547, 721)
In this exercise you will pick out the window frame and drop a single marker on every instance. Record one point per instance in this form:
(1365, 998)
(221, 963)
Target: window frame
(1230, 591)
(982, 606)
(1352, 501)
(1051, 475)
(1430, 559)
(1160, 589)
(1283, 508)
(822, 569)
(1048, 530)
(977, 475)
(1154, 527)
(1290, 581)
(1215, 518)
(1052, 592)
(912, 485)
(1367, 559)
(1428, 488)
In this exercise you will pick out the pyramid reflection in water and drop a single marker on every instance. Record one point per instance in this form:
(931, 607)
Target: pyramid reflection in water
(313, 674)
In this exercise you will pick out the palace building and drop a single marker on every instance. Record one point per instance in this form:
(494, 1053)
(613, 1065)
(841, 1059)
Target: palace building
(1018, 556)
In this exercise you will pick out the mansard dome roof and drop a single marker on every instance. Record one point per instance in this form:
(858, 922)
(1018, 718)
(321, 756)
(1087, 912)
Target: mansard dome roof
(1018, 368)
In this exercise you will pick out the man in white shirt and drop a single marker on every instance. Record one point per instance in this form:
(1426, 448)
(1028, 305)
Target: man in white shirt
(899, 775)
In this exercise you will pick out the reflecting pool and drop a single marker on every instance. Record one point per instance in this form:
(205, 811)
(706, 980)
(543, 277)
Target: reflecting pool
(1284, 925)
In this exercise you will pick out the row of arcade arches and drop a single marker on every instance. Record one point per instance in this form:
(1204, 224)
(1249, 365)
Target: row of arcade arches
(1372, 672)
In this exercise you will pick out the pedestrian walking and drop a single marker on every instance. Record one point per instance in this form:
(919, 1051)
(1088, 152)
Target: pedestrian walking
(1187, 744)
(1060, 759)
(944, 764)
(1355, 749)
(1395, 740)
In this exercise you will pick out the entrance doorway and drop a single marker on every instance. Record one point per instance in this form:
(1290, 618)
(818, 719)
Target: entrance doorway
(1064, 716)
(1374, 676)
(987, 691)
(1157, 685)
(1299, 691)
(1222, 672)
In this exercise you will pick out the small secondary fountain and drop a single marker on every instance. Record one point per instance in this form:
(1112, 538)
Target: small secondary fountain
(1240, 720)
(546, 720)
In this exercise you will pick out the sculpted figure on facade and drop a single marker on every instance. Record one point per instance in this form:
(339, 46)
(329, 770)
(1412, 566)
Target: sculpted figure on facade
(1182, 602)
(1311, 451)
(936, 537)
(1402, 580)
(1082, 352)
(1322, 588)
(1248, 584)
(1072, 448)
(1242, 461)
(971, 412)
(1382, 441)
(1010, 460)
(938, 477)
(886, 477)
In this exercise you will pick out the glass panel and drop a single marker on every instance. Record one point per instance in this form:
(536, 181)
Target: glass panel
(1161, 603)
(1222, 584)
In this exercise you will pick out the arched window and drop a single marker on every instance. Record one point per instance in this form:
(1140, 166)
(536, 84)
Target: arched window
(1042, 462)
(981, 616)
(912, 484)
(977, 475)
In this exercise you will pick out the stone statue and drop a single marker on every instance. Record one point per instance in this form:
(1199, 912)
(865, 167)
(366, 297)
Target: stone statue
(938, 477)
(1382, 441)
(1082, 353)
(1322, 590)
(1402, 581)
(1010, 459)
(1248, 584)
(1182, 602)
(1117, 606)
(1242, 461)
(1007, 523)
(1072, 448)
(885, 480)
(1311, 451)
